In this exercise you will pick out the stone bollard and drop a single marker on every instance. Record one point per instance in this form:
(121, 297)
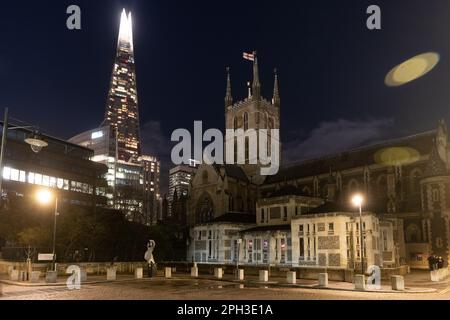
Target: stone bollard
(83, 275)
(34, 276)
(51, 277)
(263, 276)
(241, 274)
(139, 273)
(323, 280)
(168, 273)
(111, 274)
(360, 282)
(218, 273)
(434, 276)
(194, 272)
(14, 275)
(398, 283)
(291, 277)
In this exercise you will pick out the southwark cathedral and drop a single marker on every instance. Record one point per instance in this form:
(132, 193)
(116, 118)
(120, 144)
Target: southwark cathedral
(303, 217)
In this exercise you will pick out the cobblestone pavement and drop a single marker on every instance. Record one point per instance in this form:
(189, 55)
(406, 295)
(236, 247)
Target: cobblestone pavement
(181, 289)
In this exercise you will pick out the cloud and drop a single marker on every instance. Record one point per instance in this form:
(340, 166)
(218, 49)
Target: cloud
(337, 136)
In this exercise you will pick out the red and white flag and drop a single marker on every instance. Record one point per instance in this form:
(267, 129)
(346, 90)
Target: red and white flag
(249, 56)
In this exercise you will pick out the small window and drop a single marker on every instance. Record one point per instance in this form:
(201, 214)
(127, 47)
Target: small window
(331, 226)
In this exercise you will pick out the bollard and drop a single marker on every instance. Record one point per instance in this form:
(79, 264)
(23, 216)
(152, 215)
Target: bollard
(241, 274)
(263, 276)
(323, 280)
(139, 273)
(111, 274)
(398, 283)
(83, 275)
(218, 273)
(34, 276)
(14, 275)
(194, 272)
(168, 273)
(291, 277)
(360, 282)
(51, 277)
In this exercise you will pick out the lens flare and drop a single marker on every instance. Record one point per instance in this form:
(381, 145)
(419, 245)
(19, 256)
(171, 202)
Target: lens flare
(412, 69)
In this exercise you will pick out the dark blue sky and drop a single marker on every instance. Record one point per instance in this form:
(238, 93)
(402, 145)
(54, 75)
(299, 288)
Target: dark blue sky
(331, 67)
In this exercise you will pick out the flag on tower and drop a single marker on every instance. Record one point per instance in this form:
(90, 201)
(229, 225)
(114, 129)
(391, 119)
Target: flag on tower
(249, 56)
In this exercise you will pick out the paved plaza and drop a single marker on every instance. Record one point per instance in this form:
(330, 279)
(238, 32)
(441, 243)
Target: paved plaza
(182, 287)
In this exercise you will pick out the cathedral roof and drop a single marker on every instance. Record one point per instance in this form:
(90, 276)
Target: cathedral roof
(351, 159)
(287, 190)
(233, 171)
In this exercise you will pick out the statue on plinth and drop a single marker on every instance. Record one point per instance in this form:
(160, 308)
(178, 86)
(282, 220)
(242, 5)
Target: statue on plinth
(152, 268)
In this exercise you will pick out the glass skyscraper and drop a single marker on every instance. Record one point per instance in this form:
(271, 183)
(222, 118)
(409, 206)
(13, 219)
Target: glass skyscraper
(122, 112)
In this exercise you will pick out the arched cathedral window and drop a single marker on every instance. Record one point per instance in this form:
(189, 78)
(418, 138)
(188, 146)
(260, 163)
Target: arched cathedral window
(245, 121)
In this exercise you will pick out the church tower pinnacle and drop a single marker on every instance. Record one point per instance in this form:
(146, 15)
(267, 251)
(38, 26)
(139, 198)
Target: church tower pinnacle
(256, 87)
(228, 96)
(276, 91)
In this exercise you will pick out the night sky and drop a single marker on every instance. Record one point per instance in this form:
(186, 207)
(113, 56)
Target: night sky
(331, 67)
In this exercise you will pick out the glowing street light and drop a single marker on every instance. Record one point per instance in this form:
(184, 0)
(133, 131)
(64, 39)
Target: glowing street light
(358, 201)
(45, 197)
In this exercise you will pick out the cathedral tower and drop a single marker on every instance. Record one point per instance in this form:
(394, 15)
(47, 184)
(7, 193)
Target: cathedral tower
(254, 112)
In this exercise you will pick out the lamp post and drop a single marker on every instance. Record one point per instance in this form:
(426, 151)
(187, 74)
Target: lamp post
(35, 143)
(45, 197)
(358, 201)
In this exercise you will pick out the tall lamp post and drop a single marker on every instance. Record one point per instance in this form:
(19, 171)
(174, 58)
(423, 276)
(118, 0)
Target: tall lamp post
(45, 197)
(358, 202)
(35, 143)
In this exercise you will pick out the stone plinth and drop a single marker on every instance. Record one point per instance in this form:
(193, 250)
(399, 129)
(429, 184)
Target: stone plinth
(291, 277)
(194, 272)
(51, 277)
(139, 273)
(168, 272)
(398, 283)
(264, 276)
(34, 276)
(83, 275)
(323, 280)
(218, 273)
(111, 274)
(14, 275)
(360, 282)
(241, 275)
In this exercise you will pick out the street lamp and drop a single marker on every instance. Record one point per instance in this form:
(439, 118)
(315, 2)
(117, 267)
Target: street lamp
(358, 201)
(45, 197)
(35, 143)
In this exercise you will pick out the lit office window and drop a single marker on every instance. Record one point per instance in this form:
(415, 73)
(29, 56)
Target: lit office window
(6, 173)
(31, 177)
(14, 175)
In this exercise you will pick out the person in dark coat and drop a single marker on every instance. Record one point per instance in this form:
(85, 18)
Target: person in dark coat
(432, 262)
(440, 263)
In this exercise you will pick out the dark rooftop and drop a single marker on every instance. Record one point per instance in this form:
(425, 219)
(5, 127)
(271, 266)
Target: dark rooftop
(236, 217)
(233, 171)
(354, 158)
(282, 227)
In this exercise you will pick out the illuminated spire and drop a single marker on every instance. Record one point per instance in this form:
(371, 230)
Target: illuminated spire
(228, 96)
(276, 91)
(126, 29)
